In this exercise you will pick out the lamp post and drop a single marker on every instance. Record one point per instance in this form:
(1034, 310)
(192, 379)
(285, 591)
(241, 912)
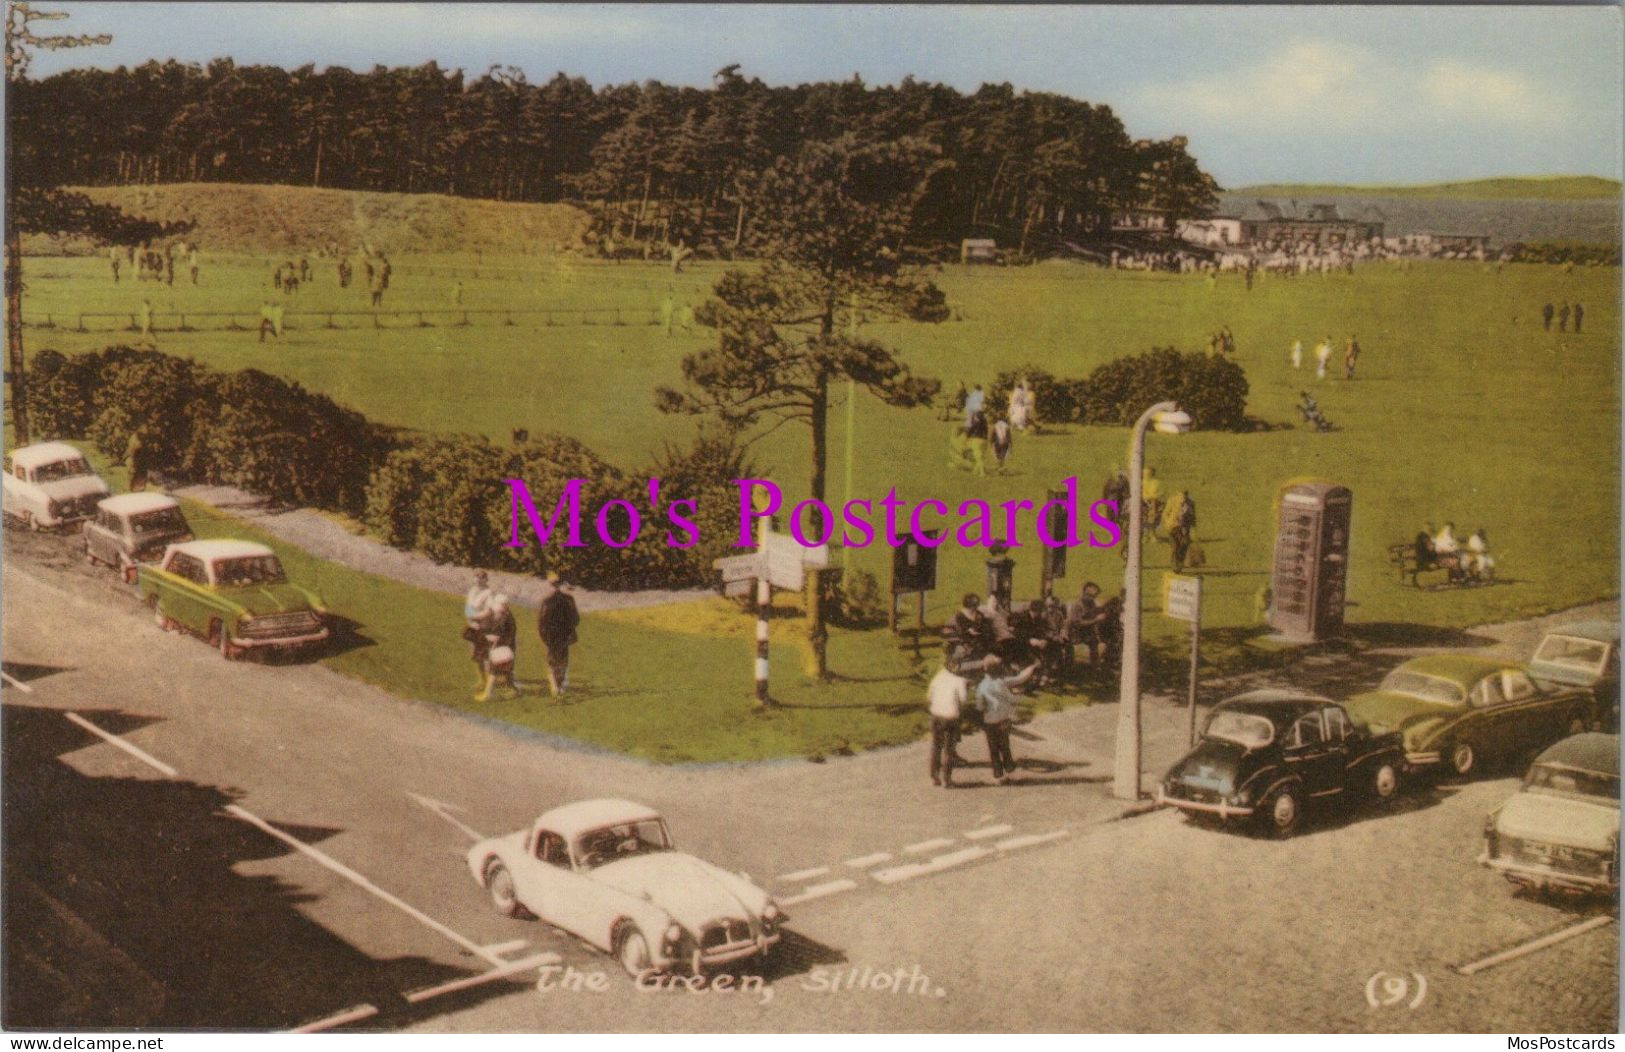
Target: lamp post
(1167, 418)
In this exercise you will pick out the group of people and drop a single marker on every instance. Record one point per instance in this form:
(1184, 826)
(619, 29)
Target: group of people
(1172, 520)
(1563, 314)
(1464, 562)
(152, 264)
(1001, 650)
(493, 636)
(1323, 356)
(982, 431)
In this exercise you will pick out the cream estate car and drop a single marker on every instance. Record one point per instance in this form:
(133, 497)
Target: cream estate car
(49, 485)
(134, 528)
(606, 871)
(1561, 830)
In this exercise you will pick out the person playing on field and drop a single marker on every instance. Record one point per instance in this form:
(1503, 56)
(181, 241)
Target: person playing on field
(1000, 440)
(267, 321)
(113, 260)
(1579, 318)
(1296, 354)
(1323, 354)
(1563, 317)
(191, 264)
(1351, 354)
(1546, 313)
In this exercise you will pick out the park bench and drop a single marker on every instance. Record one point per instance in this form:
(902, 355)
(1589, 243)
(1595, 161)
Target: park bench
(1452, 567)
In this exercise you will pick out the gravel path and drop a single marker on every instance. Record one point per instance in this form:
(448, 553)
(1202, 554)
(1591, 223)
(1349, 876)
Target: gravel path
(327, 538)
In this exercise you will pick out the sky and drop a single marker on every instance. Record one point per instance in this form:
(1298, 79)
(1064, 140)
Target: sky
(1265, 94)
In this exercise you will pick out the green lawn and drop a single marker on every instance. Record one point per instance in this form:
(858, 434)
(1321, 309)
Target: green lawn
(1464, 410)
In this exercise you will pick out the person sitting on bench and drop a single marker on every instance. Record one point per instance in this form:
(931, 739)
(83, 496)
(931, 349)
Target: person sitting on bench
(1448, 551)
(1426, 558)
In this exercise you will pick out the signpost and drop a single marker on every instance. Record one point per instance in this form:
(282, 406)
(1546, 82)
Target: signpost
(913, 569)
(777, 562)
(1182, 601)
(1053, 560)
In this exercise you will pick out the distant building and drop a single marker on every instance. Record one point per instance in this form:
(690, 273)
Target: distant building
(978, 250)
(1213, 231)
(1148, 220)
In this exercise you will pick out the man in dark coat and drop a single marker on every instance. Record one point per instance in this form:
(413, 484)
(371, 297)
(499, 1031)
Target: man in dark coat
(556, 624)
(1546, 313)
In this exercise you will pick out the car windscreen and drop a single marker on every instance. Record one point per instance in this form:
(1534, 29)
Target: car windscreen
(1572, 781)
(1243, 728)
(1586, 654)
(249, 570)
(622, 841)
(164, 520)
(1421, 685)
(62, 469)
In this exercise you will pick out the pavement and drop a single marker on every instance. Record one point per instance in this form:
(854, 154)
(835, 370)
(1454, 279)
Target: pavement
(197, 843)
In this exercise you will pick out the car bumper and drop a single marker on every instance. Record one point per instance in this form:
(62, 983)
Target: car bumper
(1417, 760)
(1537, 876)
(282, 642)
(727, 953)
(1222, 809)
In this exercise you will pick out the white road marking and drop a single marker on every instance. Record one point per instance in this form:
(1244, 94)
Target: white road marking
(1534, 944)
(349, 1015)
(113, 739)
(333, 864)
(898, 874)
(1029, 839)
(927, 845)
(444, 810)
(805, 874)
(507, 947)
(501, 972)
(865, 861)
(15, 682)
(818, 891)
(987, 831)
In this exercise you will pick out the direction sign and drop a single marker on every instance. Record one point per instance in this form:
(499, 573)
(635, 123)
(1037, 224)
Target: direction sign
(739, 567)
(1182, 597)
(785, 561)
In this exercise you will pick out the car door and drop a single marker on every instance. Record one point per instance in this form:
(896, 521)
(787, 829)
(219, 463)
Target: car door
(1310, 756)
(1342, 744)
(1542, 718)
(544, 879)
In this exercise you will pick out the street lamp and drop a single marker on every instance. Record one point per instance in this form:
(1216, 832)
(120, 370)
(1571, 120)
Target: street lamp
(1168, 419)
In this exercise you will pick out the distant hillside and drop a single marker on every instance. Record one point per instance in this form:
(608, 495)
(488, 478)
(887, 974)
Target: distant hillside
(1551, 188)
(233, 217)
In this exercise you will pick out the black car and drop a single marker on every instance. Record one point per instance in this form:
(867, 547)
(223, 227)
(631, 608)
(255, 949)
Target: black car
(1264, 754)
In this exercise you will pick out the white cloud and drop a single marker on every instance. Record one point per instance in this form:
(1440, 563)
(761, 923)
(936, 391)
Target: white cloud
(1316, 85)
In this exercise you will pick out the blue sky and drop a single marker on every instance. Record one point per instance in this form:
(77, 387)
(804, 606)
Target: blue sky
(1330, 94)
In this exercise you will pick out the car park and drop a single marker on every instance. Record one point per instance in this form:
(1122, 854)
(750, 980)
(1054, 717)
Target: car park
(606, 871)
(1584, 654)
(1560, 831)
(1266, 754)
(49, 485)
(235, 595)
(1455, 711)
(134, 528)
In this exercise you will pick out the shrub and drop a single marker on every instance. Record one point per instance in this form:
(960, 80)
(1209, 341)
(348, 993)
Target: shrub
(855, 601)
(149, 392)
(1213, 390)
(1056, 399)
(59, 393)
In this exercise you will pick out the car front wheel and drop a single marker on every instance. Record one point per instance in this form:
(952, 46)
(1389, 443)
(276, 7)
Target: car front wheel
(1283, 811)
(634, 953)
(1385, 782)
(1462, 758)
(499, 883)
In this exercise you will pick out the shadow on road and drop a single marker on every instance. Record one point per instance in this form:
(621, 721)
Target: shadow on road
(29, 673)
(127, 905)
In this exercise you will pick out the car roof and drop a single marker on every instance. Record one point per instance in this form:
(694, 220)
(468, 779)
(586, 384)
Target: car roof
(1465, 669)
(222, 549)
(45, 453)
(1586, 752)
(1599, 631)
(137, 503)
(570, 819)
(1274, 704)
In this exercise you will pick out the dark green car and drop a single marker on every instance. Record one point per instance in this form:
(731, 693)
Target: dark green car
(234, 595)
(1455, 711)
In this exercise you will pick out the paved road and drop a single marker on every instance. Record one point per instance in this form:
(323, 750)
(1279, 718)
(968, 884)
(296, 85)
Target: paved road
(265, 846)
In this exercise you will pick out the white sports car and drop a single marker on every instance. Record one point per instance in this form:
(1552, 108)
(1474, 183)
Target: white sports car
(606, 872)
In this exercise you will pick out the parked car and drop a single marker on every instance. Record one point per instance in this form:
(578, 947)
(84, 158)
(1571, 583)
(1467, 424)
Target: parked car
(1585, 654)
(49, 485)
(606, 871)
(1456, 710)
(1561, 830)
(233, 594)
(1265, 754)
(134, 528)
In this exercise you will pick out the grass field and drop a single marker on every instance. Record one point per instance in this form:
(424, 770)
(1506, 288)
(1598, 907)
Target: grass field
(1464, 410)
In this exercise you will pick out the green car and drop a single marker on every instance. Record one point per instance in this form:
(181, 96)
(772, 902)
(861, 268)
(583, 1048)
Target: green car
(233, 594)
(1455, 711)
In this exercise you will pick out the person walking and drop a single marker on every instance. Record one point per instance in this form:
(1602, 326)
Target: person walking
(1323, 354)
(1296, 354)
(191, 264)
(113, 260)
(976, 443)
(973, 404)
(556, 624)
(135, 458)
(1546, 313)
(946, 697)
(995, 696)
(1180, 521)
(1579, 318)
(501, 640)
(1001, 440)
(476, 616)
(267, 321)
(1563, 317)
(1351, 354)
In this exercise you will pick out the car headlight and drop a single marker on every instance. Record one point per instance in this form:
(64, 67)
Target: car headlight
(771, 915)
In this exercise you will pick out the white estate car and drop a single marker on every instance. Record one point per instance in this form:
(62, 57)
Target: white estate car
(134, 528)
(1560, 832)
(606, 872)
(50, 484)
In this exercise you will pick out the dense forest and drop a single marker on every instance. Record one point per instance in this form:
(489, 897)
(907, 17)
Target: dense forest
(652, 162)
